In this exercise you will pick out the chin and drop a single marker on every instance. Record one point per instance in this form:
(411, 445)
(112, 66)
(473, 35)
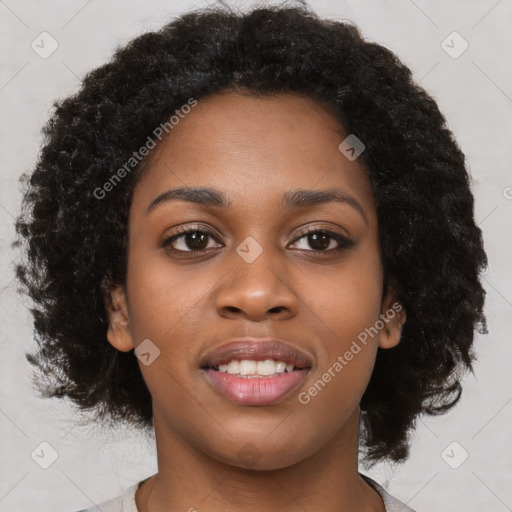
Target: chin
(264, 457)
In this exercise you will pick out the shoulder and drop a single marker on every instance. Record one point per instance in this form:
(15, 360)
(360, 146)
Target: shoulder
(123, 503)
(391, 504)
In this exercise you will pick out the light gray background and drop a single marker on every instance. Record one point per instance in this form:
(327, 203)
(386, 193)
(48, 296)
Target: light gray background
(474, 93)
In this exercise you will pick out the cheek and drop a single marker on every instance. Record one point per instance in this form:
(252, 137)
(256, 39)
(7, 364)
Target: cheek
(346, 304)
(347, 355)
(161, 309)
(346, 310)
(162, 299)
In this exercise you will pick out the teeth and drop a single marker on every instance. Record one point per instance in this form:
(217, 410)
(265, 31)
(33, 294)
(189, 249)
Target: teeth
(232, 367)
(267, 367)
(248, 368)
(280, 367)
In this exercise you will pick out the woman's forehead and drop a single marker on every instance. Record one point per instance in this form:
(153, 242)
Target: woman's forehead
(253, 147)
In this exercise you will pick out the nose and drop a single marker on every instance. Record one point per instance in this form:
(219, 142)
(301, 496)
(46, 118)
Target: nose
(258, 290)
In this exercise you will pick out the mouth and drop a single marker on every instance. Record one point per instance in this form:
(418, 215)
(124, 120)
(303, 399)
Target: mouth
(255, 372)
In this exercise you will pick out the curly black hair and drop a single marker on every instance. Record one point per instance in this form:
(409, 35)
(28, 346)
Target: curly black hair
(76, 247)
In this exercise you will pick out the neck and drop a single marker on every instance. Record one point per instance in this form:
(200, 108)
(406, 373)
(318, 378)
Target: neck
(190, 480)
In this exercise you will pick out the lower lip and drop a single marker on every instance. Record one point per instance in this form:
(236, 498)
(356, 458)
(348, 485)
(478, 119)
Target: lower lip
(258, 390)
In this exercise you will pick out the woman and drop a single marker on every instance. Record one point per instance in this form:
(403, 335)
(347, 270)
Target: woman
(275, 218)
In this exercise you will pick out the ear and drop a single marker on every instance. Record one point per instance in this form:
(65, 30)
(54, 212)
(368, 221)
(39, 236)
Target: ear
(118, 333)
(393, 316)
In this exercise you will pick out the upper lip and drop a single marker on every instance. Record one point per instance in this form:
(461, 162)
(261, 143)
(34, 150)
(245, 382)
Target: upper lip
(256, 349)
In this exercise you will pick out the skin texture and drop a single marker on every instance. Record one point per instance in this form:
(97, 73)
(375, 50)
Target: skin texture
(253, 150)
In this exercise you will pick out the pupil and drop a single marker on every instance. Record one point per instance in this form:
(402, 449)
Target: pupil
(196, 241)
(315, 237)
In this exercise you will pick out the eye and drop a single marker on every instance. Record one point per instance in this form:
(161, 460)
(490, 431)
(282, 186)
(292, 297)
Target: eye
(191, 240)
(324, 241)
(194, 241)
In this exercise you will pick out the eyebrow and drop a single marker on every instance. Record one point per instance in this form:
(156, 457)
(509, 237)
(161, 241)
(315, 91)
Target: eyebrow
(214, 198)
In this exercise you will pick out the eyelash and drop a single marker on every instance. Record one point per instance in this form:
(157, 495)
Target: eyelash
(343, 242)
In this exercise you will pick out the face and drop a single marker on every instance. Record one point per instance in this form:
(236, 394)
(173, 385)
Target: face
(306, 272)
